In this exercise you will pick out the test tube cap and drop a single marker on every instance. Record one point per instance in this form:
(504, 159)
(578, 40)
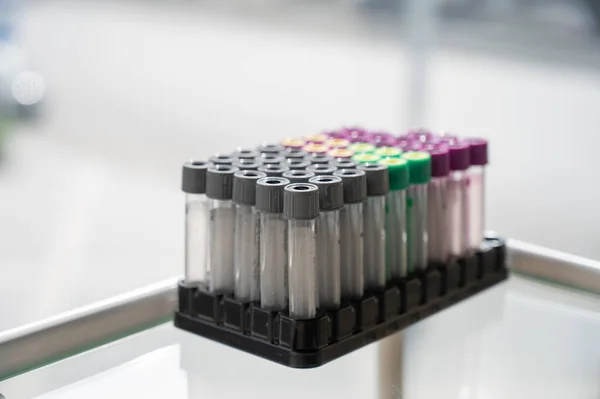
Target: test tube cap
(272, 159)
(440, 159)
(222, 159)
(193, 177)
(246, 153)
(270, 148)
(355, 185)
(421, 135)
(319, 158)
(244, 186)
(291, 142)
(298, 164)
(318, 138)
(361, 148)
(331, 192)
(247, 164)
(419, 166)
(388, 152)
(294, 153)
(459, 155)
(478, 151)
(320, 169)
(219, 181)
(298, 176)
(273, 170)
(338, 142)
(398, 172)
(356, 134)
(300, 201)
(316, 148)
(269, 194)
(340, 153)
(366, 158)
(343, 164)
(381, 139)
(378, 179)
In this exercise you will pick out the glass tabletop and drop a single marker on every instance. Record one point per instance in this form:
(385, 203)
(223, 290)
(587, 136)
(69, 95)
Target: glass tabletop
(521, 339)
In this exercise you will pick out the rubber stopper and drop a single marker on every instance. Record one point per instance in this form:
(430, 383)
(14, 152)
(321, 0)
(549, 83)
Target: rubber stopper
(419, 166)
(193, 177)
(300, 201)
(398, 172)
(378, 180)
(331, 192)
(244, 186)
(269, 194)
(219, 182)
(355, 185)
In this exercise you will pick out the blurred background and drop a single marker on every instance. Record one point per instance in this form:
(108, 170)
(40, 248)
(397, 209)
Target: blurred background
(102, 101)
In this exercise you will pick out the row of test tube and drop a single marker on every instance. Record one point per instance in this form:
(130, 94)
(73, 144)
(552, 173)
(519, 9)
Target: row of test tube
(307, 223)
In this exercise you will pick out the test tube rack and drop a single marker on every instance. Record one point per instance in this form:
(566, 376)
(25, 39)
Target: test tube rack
(311, 343)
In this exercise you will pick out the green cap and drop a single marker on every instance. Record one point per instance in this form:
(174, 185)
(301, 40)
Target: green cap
(419, 166)
(388, 152)
(361, 148)
(366, 158)
(398, 171)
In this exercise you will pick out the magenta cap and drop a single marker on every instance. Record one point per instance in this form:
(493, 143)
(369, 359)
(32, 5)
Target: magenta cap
(382, 139)
(421, 135)
(459, 155)
(338, 134)
(440, 159)
(478, 151)
(356, 134)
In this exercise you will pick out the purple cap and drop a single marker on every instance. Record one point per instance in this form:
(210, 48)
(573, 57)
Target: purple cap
(459, 155)
(338, 134)
(382, 139)
(356, 134)
(447, 138)
(440, 159)
(421, 135)
(479, 151)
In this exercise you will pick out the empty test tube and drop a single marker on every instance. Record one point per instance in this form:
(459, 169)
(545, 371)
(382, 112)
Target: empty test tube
(271, 159)
(320, 169)
(331, 200)
(374, 225)
(319, 158)
(479, 160)
(270, 148)
(273, 242)
(297, 164)
(246, 241)
(395, 226)
(298, 176)
(351, 232)
(458, 198)
(193, 183)
(438, 240)
(301, 208)
(221, 159)
(419, 173)
(246, 153)
(294, 153)
(246, 164)
(219, 190)
(273, 170)
(343, 164)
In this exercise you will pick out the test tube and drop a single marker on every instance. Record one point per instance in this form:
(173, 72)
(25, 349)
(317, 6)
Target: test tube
(193, 183)
(294, 153)
(316, 138)
(361, 148)
(273, 170)
(293, 143)
(395, 227)
(419, 172)
(270, 148)
(221, 159)
(246, 242)
(320, 169)
(298, 176)
(272, 159)
(458, 198)
(340, 153)
(437, 211)
(301, 208)
(297, 164)
(273, 242)
(479, 160)
(343, 164)
(378, 185)
(382, 139)
(318, 158)
(388, 152)
(246, 164)
(221, 228)
(246, 153)
(314, 148)
(337, 143)
(366, 158)
(331, 200)
(351, 232)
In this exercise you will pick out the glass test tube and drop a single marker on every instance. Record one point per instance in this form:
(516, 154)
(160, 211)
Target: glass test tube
(273, 170)
(395, 228)
(320, 169)
(458, 198)
(331, 200)
(221, 228)
(479, 160)
(301, 208)
(351, 232)
(298, 176)
(437, 211)
(419, 172)
(247, 237)
(273, 242)
(374, 225)
(193, 183)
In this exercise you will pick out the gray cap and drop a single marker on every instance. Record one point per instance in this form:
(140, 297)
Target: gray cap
(244, 186)
(270, 148)
(273, 169)
(246, 153)
(193, 177)
(321, 169)
(219, 182)
(269, 194)
(294, 153)
(272, 159)
(344, 164)
(246, 164)
(319, 158)
(297, 164)
(221, 159)
(331, 192)
(378, 178)
(355, 185)
(301, 201)
(298, 176)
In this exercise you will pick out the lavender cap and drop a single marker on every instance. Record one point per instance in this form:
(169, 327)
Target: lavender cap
(382, 140)
(440, 159)
(421, 135)
(459, 155)
(478, 151)
(339, 134)
(356, 135)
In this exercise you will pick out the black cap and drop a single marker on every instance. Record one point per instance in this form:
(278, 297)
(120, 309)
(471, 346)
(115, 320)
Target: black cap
(343, 164)
(244, 186)
(269, 194)
(331, 192)
(301, 201)
(270, 148)
(272, 159)
(246, 164)
(298, 176)
(294, 153)
(246, 153)
(297, 164)
(321, 169)
(355, 185)
(193, 177)
(378, 178)
(319, 158)
(221, 159)
(219, 182)
(273, 169)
